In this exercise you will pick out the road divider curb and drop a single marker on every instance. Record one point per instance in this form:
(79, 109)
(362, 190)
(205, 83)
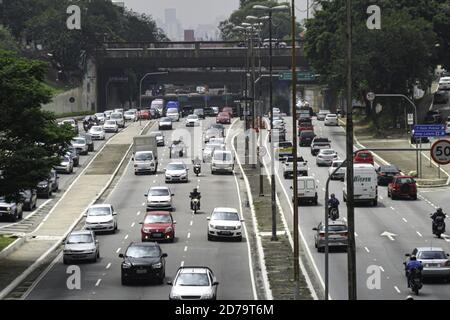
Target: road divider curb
(13, 246)
(4, 293)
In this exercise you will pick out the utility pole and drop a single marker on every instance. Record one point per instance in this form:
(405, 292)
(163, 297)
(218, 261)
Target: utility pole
(295, 158)
(351, 252)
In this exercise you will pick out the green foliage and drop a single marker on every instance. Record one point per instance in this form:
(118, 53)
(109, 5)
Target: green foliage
(7, 41)
(31, 142)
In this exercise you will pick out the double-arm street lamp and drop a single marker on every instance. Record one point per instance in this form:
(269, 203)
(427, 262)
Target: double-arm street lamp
(270, 11)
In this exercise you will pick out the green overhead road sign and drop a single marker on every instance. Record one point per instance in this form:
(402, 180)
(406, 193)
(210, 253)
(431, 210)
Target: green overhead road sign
(301, 76)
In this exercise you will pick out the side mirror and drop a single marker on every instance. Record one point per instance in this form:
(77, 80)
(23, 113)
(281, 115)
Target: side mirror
(291, 187)
(141, 222)
(407, 254)
(164, 255)
(315, 229)
(209, 218)
(114, 213)
(132, 159)
(242, 220)
(85, 215)
(172, 194)
(174, 221)
(145, 194)
(215, 283)
(170, 283)
(121, 255)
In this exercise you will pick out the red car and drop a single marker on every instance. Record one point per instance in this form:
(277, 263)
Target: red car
(229, 110)
(363, 157)
(158, 225)
(402, 186)
(144, 115)
(223, 117)
(302, 126)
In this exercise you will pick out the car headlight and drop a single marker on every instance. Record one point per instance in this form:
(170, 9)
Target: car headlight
(169, 229)
(212, 226)
(207, 296)
(110, 221)
(183, 175)
(9, 208)
(126, 265)
(157, 265)
(175, 297)
(146, 229)
(237, 227)
(44, 185)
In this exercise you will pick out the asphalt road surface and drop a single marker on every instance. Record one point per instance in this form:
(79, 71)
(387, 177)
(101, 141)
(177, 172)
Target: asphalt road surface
(229, 260)
(407, 219)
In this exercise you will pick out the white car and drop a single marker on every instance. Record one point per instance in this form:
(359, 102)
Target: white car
(100, 117)
(225, 222)
(447, 128)
(222, 161)
(326, 157)
(331, 119)
(209, 150)
(220, 140)
(159, 198)
(101, 217)
(119, 119)
(111, 126)
(159, 138)
(444, 80)
(322, 114)
(130, 115)
(176, 171)
(165, 123)
(192, 120)
(66, 165)
(81, 145)
(340, 173)
(173, 114)
(97, 132)
(194, 283)
(108, 114)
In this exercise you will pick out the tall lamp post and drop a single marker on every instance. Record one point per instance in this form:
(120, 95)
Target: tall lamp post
(270, 10)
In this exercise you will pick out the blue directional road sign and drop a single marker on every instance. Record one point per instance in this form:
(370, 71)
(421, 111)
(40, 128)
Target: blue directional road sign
(428, 130)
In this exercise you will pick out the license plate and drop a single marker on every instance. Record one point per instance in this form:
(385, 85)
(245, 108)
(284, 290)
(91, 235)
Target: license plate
(157, 235)
(432, 265)
(141, 271)
(225, 233)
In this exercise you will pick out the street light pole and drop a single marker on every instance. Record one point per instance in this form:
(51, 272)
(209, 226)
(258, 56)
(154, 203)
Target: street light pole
(351, 252)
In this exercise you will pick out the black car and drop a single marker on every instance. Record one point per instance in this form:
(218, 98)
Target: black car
(187, 110)
(386, 174)
(306, 137)
(418, 139)
(433, 116)
(200, 113)
(74, 155)
(29, 199)
(441, 97)
(46, 187)
(143, 261)
(154, 113)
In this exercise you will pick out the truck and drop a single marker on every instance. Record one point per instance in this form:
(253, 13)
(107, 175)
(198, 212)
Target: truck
(365, 184)
(145, 154)
(288, 167)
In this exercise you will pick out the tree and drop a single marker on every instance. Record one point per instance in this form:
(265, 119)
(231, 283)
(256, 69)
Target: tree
(7, 41)
(31, 142)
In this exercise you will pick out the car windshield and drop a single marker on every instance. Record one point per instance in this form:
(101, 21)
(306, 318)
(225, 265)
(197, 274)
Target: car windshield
(176, 166)
(192, 279)
(69, 121)
(165, 120)
(172, 110)
(285, 145)
(79, 141)
(65, 159)
(143, 156)
(364, 155)
(405, 180)
(431, 255)
(116, 116)
(157, 218)
(99, 115)
(336, 164)
(230, 216)
(324, 111)
(321, 140)
(389, 169)
(308, 184)
(331, 116)
(129, 112)
(327, 152)
(197, 111)
(111, 122)
(306, 134)
(159, 192)
(223, 156)
(192, 117)
(96, 128)
(224, 114)
(99, 211)
(334, 228)
(143, 252)
(79, 238)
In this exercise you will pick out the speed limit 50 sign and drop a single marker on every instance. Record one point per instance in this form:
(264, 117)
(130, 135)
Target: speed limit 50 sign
(440, 152)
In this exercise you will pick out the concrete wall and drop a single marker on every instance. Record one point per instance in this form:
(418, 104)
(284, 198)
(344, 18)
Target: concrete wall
(61, 103)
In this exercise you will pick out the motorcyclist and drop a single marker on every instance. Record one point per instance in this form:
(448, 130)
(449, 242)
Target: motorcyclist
(196, 161)
(86, 124)
(195, 195)
(437, 214)
(333, 203)
(412, 265)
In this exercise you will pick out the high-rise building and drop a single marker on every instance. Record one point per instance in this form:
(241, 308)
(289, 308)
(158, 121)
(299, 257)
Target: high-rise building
(172, 26)
(189, 35)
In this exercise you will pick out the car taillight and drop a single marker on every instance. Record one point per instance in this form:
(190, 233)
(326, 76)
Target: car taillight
(382, 174)
(322, 235)
(344, 234)
(447, 264)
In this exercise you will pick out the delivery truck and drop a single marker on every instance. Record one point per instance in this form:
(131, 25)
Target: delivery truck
(145, 154)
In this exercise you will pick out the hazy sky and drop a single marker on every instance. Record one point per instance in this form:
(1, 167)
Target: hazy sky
(189, 12)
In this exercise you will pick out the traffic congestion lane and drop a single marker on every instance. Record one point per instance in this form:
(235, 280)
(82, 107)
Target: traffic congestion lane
(229, 260)
(66, 179)
(370, 223)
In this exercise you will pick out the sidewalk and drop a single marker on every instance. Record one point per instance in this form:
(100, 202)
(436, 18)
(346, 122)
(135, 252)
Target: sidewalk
(68, 210)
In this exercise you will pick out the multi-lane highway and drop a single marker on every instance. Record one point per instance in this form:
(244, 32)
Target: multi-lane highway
(228, 260)
(408, 220)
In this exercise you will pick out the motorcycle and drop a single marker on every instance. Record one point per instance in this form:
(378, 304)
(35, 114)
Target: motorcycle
(415, 281)
(197, 168)
(195, 204)
(333, 213)
(439, 226)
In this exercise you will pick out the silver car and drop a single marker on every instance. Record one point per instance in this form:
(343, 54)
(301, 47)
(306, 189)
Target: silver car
(212, 133)
(337, 235)
(159, 198)
(326, 157)
(435, 261)
(194, 283)
(176, 171)
(81, 145)
(66, 165)
(209, 149)
(81, 245)
(159, 138)
(101, 217)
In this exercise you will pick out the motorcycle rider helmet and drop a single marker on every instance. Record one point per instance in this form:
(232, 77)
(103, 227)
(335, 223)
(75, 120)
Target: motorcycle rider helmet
(332, 196)
(413, 257)
(439, 210)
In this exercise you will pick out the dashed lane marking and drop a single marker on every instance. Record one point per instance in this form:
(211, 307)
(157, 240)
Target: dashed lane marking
(406, 221)
(381, 268)
(98, 282)
(126, 237)
(185, 248)
(420, 235)
(397, 289)
(392, 208)
(133, 224)
(108, 265)
(192, 222)
(188, 235)
(138, 213)
(367, 249)
(118, 249)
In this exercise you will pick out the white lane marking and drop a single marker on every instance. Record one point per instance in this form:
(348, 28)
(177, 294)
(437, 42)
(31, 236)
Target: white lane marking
(132, 225)
(98, 282)
(406, 221)
(143, 203)
(138, 213)
(118, 249)
(154, 181)
(356, 234)
(381, 268)
(108, 265)
(381, 198)
(367, 249)
(345, 219)
(126, 237)
(189, 235)
(185, 248)
(392, 208)
(323, 189)
(191, 222)
(420, 235)
(397, 289)
(318, 181)
(182, 263)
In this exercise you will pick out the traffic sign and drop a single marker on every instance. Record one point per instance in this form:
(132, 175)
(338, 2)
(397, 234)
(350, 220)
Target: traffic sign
(440, 152)
(410, 119)
(370, 96)
(301, 76)
(428, 130)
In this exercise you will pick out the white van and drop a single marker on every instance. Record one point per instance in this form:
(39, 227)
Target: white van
(365, 184)
(173, 114)
(222, 161)
(158, 104)
(307, 190)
